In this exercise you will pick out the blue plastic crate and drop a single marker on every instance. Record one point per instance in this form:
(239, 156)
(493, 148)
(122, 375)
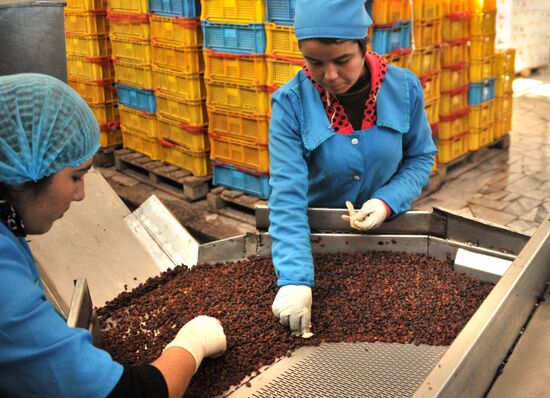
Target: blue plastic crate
(175, 8)
(234, 178)
(136, 98)
(481, 92)
(281, 11)
(235, 38)
(387, 39)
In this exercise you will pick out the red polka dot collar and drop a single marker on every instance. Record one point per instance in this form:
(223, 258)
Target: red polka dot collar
(335, 111)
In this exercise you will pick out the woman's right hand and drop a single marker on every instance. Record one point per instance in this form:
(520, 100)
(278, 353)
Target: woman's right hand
(292, 306)
(203, 337)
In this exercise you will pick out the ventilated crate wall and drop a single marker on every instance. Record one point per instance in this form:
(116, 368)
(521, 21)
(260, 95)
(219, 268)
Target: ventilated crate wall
(89, 65)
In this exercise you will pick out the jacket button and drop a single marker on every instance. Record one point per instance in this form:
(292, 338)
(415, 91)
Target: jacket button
(354, 141)
(357, 177)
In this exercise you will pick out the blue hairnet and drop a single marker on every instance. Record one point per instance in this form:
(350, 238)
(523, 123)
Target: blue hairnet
(45, 126)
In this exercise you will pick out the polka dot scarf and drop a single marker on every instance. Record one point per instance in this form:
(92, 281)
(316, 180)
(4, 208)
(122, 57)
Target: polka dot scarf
(10, 218)
(335, 111)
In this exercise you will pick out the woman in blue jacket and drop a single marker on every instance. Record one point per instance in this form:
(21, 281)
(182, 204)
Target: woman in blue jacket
(48, 137)
(347, 130)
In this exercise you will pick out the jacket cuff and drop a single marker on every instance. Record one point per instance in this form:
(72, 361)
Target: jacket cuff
(389, 211)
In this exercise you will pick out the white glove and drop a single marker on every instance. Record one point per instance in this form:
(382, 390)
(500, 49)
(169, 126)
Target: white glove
(202, 336)
(292, 305)
(371, 215)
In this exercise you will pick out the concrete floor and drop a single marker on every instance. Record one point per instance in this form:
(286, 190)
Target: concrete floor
(513, 187)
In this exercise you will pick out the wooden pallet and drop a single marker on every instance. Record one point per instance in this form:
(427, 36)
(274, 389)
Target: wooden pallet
(105, 157)
(220, 198)
(165, 177)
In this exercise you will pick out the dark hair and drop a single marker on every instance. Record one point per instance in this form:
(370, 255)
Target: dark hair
(330, 40)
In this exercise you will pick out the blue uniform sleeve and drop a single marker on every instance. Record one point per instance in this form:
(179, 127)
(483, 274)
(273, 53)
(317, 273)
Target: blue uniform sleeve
(289, 227)
(39, 354)
(418, 156)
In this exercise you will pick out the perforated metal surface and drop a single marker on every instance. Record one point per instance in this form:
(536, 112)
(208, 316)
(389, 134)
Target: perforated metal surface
(346, 370)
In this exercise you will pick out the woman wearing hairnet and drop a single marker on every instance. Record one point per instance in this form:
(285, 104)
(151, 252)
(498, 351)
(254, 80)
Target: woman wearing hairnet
(347, 130)
(48, 137)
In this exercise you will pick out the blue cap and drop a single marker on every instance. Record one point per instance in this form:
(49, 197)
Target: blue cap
(338, 19)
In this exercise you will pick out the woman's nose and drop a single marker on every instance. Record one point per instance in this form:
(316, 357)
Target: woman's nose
(79, 193)
(331, 72)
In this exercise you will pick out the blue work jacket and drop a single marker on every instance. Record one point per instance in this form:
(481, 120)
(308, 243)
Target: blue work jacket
(311, 165)
(40, 356)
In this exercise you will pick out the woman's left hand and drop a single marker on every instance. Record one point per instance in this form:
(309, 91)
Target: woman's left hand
(371, 215)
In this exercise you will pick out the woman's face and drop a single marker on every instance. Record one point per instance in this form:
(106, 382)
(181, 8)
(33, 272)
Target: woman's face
(39, 210)
(335, 66)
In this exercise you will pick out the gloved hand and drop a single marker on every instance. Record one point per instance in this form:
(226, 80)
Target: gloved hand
(202, 336)
(371, 215)
(292, 305)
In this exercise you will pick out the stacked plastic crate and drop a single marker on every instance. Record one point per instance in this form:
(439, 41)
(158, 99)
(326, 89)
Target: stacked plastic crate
(454, 111)
(132, 60)
(503, 68)
(481, 76)
(89, 66)
(178, 68)
(237, 94)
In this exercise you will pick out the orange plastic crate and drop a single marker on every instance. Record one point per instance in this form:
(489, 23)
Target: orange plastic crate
(93, 22)
(455, 6)
(390, 11)
(483, 23)
(249, 128)
(239, 153)
(482, 5)
(94, 91)
(193, 138)
(427, 9)
(177, 31)
(197, 163)
(237, 68)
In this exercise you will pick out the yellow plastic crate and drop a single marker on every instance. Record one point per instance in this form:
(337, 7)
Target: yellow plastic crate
(390, 11)
(237, 68)
(177, 31)
(89, 68)
(141, 143)
(134, 74)
(503, 126)
(456, 26)
(193, 138)
(503, 85)
(455, 6)
(197, 163)
(281, 70)
(250, 128)
(483, 5)
(403, 60)
(87, 45)
(454, 100)
(94, 92)
(427, 32)
(110, 138)
(505, 62)
(481, 115)
(481, 70)
(237, 98)
(454, 76)
(92, 22)
(454, 52)
(180, 59)
(426, 9)
(140, 121)
(183, 85)
(452, 149)
(233, 11)
(239, 153)
(432, 111)
(503, 105)
(129, 6)
(129, 26)
(105, 113)
(453, 125)
(137, 51)
(280, 40)
(190, 112)
(425, 60)
(86, 4)
(431, 84)
(483, 23)
(478, 138)
(482, 47)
